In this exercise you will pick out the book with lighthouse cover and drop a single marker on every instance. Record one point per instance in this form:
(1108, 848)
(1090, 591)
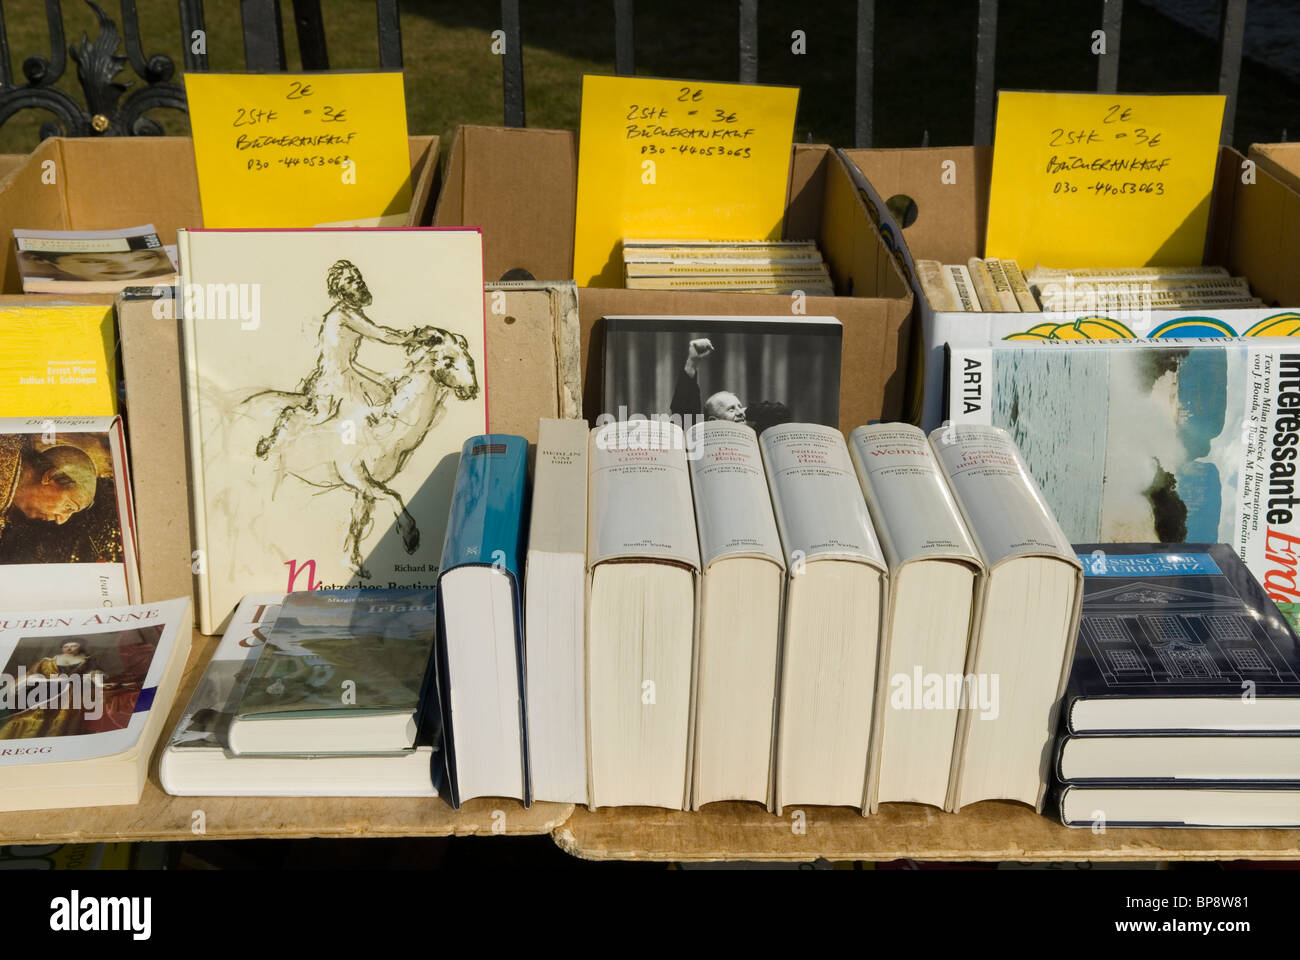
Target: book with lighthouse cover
(197, 761)
(1152, 441)
(331, 376)
(343, 672)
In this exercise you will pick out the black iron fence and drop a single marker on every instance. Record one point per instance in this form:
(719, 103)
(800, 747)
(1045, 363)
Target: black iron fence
(109, 109)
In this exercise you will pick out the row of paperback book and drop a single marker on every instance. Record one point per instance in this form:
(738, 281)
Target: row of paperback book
(990, 285)
(666, 639)
(750, 266)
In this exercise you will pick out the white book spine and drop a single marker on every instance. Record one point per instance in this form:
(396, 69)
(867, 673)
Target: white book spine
(962, 287)
(911, 507)
(1002, 286)
(733, 509)
(822, 517)
(1016, 280)
(734, 515)
(935, 287)
(917, 520)
(983, 283)
(640, 495)
(1002, 505)
(820, 510)
(556, 718)
(639, 509)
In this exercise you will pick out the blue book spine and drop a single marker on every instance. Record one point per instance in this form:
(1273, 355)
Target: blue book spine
(487, 525)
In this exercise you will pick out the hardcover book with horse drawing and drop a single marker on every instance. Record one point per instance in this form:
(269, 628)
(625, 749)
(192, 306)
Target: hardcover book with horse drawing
(331, 377)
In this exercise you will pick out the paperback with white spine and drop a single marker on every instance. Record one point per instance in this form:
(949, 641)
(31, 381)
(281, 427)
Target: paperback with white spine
(652, 518)
(1008, 520)
(1004, 510)
(554, 614)
(837, 589)
(733, 509)
(643, 582)
(818, 514)
(741, 598)
(905, 489)
(916, 520)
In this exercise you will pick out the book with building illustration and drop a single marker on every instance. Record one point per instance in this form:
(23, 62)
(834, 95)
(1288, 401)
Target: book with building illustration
(1179, 638)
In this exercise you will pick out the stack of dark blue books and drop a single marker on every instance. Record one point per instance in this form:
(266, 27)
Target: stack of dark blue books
(1183, 705)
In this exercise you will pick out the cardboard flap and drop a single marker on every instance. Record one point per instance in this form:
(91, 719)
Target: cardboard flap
(520, 186)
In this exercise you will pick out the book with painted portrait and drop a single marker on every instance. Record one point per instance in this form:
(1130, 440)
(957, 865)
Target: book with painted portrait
(83, 697)
(67, 531)
(331, 377)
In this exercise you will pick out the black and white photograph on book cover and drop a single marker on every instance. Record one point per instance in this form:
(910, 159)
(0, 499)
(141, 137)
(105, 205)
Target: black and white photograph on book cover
(756, 370)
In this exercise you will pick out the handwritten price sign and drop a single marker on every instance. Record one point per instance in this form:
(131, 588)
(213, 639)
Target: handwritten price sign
(283, 150)
(1099, 180)
(671, 160)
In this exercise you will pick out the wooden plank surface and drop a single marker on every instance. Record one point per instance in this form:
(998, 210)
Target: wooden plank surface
(989, 831)
(993, 830)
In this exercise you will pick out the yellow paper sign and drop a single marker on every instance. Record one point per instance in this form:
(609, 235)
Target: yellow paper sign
(1102, 180)
(297, 150)
(672, 160)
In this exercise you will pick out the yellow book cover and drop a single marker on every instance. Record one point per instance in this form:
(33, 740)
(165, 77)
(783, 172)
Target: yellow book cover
(57, 360)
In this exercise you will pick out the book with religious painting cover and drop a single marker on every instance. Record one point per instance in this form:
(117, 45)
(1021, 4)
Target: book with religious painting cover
(67, 531)
(83, 697)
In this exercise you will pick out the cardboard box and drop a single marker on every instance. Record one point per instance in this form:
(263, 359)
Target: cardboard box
(9, 162)
(152, 360)
(531, 355)
(113, 182)
(1254, 231)
(1281, 160)
(520, 186)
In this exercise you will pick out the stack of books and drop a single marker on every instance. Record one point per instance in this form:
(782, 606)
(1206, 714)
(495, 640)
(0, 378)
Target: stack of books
(989, 286)
(320, 693)
(740, 266)
(1183, 706)
(725, 574)
(998, 286)
(1133, 289)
